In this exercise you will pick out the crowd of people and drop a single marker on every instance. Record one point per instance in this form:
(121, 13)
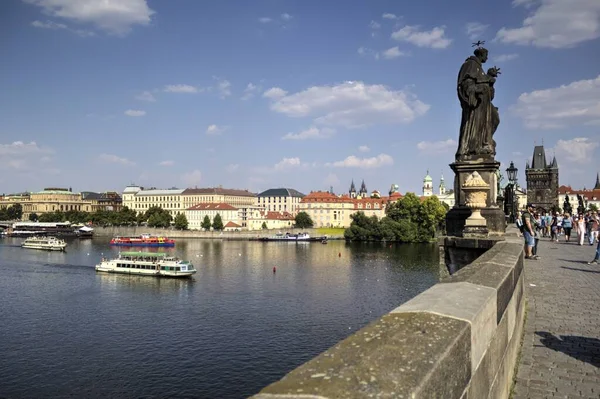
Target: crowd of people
(534, 225)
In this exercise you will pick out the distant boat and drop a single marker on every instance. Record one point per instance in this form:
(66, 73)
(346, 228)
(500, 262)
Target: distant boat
(144, 240)
(155, 264)
(45, 243)
(288, 237)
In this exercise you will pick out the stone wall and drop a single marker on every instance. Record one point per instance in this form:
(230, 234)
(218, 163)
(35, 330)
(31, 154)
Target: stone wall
(172, 233)
(458, 339)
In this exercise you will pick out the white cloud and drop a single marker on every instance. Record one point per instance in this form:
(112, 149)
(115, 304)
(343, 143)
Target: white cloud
(215, 130)
(285, 16)
(434, 38)
(181, 89)
(223, 87)
(363, 163)
(566, 105)
(331, 180)
(231, 168)
(388, 15)
(311, 133)
(112, 16)
(26, 158)
(55, 26)
(111, 158)
(274, 92)
(250, 91)
(437, 147)
(475, 30)
(374, 25)
(364, 148)
(167, 163)
(365, 51)
(555, 24)
(19, 148)
(392, 53)
(288, 163)
(135, 112)
(352, 105)
(578, 150)
(146, 96)
(505, 57)
(192, 178)
(264, 20)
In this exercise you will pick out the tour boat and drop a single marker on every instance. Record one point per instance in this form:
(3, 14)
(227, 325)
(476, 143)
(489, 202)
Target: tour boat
(287, 237)
(144, 240)
(155, 264)
(45, 243)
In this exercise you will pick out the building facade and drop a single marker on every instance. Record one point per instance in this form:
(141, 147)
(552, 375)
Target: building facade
(590, 197)
(427, 185)
(542, 180)
(280, 200)
(271, 219)
(229, 214)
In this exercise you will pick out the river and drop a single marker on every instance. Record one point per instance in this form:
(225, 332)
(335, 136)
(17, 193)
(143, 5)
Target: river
(235, 327)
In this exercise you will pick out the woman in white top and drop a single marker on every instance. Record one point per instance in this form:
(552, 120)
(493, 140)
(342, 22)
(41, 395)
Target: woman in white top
(580, 228)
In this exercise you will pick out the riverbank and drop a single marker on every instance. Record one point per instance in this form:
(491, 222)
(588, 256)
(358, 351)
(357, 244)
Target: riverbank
(220, 235)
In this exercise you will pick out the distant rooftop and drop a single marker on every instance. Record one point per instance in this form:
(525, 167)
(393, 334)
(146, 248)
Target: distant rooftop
(218, 191)
(281, 192)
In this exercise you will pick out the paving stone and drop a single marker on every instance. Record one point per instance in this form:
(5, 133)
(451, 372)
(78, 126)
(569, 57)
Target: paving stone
(560, 356)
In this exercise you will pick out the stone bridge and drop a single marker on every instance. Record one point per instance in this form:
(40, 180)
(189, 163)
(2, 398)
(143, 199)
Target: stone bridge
(462, 337)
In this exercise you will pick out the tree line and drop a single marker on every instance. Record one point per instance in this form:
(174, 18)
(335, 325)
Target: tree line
(407, 220)
(13, 212)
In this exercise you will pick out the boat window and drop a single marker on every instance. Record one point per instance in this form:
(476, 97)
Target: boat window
(177, 269)
(163, 268)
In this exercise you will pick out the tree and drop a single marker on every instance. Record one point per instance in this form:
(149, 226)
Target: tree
(158, 217)
(217, 222)
(206, 223)
(33, 217)
(264, 226)
(181, 222)
(303, 220)
(14, 212)
(593, 207)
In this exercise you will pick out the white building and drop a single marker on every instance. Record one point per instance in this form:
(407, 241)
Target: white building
(230, 215)
(280, 200)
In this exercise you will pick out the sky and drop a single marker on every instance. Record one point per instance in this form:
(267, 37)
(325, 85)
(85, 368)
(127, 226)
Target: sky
(99, 94)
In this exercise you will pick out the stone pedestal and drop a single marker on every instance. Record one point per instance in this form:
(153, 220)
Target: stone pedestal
(495, 223)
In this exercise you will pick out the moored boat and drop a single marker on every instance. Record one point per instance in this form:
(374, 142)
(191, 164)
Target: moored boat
(143, 240)
(155, 264)
(288, 237)
(45, 243)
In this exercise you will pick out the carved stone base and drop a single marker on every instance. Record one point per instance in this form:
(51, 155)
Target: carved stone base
(494, 216)
(475, 232)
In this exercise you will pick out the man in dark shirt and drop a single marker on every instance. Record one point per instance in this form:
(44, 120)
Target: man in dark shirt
(529, 232)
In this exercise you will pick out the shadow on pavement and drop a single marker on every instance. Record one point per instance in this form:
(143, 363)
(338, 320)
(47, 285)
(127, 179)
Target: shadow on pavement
(582, 262)
(581, 348)
(581, 270)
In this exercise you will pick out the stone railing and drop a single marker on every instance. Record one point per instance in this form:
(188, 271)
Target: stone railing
(458, 339)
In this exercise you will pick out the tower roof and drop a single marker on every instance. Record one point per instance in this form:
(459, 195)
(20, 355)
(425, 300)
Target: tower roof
(554, 164)
(597, 186)
(352, 187)
(539, 158)
(427, 177)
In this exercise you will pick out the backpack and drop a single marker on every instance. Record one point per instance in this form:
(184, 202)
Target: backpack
(519, 223)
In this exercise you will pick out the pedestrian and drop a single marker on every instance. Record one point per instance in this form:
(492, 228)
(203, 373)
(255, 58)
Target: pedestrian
(554, 228)
(589, 225)
(597, 257)
(529, 232)
(595, 229)
(567, 226)
(580, 228)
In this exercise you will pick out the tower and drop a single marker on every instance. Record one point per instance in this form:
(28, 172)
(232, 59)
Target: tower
(352, 191)
(597, 186)
(363, 190)
(442, 186)
(542, 180)
(427, 185)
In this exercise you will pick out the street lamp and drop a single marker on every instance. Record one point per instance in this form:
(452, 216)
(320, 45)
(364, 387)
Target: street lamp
(511, 203)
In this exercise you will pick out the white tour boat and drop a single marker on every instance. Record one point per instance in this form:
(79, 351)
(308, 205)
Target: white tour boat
(46, 243)
(155, 264)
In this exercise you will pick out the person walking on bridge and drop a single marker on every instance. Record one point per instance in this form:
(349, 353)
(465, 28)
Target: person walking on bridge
(529, 232)
(580, 228)
(597, 257)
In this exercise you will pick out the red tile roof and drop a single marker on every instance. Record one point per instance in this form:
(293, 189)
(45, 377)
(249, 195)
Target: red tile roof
(218, 191)
(232, 224)
(212, 207)
(584, 193)
(279, 216)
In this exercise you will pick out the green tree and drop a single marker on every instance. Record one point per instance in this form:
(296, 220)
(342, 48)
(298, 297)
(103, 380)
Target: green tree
(206, 223)
(158, 217)
(593, 207)
(33, 217)
(217, 222)
(15, 212)
(181, 222)
(264, 226)
(303, 220)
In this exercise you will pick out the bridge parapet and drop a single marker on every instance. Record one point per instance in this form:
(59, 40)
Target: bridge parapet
(458, 339)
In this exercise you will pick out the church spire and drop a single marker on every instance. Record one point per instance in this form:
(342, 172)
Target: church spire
(597, 186)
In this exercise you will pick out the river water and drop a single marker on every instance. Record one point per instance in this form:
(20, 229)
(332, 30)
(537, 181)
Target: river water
(235, 327)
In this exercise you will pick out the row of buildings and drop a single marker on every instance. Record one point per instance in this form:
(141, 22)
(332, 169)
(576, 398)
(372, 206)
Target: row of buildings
(239, 209)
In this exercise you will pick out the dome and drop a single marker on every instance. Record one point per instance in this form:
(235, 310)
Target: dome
(132, 189)
(427, 178)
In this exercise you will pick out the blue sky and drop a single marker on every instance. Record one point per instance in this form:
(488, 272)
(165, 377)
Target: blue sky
(268, 93)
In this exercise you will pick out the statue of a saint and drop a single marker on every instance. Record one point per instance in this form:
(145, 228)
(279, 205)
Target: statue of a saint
(480, 118)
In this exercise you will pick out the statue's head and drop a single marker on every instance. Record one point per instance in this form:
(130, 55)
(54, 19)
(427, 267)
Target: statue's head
(481, 53)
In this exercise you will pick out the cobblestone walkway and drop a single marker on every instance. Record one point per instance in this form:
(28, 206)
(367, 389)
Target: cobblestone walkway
(560, 357)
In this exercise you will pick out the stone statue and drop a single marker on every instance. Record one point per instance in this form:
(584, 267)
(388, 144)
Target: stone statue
(567, 205)
(581, 207)
(480, 118)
